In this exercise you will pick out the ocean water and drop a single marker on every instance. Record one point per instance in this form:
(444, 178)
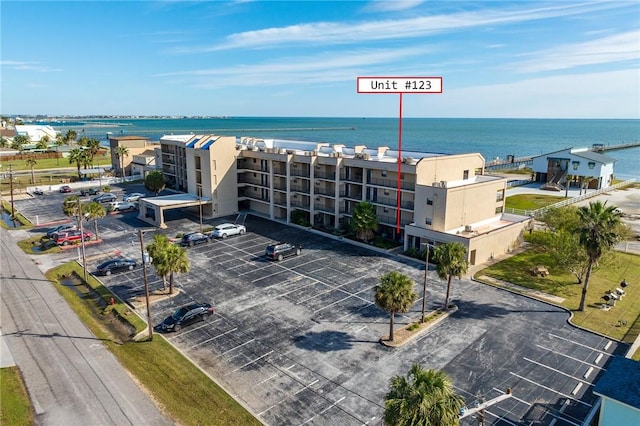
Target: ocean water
(493, 138)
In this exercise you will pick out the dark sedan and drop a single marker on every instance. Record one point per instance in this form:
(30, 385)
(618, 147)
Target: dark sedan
(194, 238)
(116, 265)
(186, 315)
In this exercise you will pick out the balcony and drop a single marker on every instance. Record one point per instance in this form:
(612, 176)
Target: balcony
(323, 208)
(325, 175)
(325, 191)
(300, 188)
(392, 202)
(391, 220)
(391, 183)
(355, 179)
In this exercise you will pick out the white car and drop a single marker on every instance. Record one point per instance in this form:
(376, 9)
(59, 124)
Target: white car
(121, 205)
(134, 196)
(226, 229)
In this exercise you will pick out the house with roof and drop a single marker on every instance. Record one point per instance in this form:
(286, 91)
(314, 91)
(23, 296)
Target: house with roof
(579, 167)
(619, 390)
(420, 198)
(35, 132)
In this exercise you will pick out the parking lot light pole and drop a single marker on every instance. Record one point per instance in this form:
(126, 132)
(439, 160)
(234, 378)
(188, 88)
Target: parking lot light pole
(145, 260)
(424, 284)
(84, 256)
(11, 190)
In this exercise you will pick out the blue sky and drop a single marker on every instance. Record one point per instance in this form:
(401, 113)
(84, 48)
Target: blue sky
(519, 59)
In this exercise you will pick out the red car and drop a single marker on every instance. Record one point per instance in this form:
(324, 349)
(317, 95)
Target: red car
(70, 237)
(65, 188)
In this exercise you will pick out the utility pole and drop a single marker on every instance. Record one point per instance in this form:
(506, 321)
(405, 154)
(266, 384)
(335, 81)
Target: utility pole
(11, 190)
(200, 205)
(145, 260)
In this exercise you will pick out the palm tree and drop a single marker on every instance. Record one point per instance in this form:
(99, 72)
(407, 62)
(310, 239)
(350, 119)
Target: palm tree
(70, 206)
(31, 163)
(59, 141)
(451, 261)
(568, 178)
(19, 141)
(43, 143)
(364, 220)
(70, 136)
(599, 231)
(176, 261)
(76, 156)
(422, 398)
(157, 250)
(94, 211)
(4, 142)
(93, 146)
(121, 152)
(394, 294)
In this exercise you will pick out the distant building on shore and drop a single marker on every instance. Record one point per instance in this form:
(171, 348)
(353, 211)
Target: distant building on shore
(579, 167)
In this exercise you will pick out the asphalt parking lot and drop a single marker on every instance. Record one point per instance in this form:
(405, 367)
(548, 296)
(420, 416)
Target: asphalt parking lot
(297, 341)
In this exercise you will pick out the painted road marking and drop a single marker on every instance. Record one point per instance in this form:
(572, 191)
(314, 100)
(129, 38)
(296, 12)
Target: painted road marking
(236, 347)
(557, 371)
(213, 338)
(579, 344)
(250, 362)
(568, 356)
(307, 386)
(549, 389)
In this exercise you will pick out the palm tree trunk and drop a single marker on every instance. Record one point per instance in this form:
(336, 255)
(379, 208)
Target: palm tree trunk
(583, 298)
(164, 283)
(446, 299)
(171, 283)
(33, 177)
(391, 326)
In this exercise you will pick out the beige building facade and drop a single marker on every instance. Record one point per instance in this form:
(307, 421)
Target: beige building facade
(135, 145)
(420, 198)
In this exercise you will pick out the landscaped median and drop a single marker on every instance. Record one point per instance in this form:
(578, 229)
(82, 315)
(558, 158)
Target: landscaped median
(192, 398)
(411, 331)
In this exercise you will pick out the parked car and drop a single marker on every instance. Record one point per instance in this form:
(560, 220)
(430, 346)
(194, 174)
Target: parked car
(226, 229)
(38, 191)
(65, 189)
(281, 250)
(61, 228)
(186, 315)
(116, 265)
(89, 191)
(121, 206)
(134, 196)
(105, 198)
(70, 237)
(193, 238)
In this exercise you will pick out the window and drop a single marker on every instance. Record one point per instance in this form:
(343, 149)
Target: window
(499, 209)
(427, 221)
(429, 202)
(465, 174)
(383, 173)
(386, 192)
(401, 176)
(591, 164)
(385, 210)
(500, 195)
(575, 165)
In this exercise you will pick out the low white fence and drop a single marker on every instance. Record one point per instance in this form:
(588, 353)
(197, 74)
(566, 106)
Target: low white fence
(569, 201)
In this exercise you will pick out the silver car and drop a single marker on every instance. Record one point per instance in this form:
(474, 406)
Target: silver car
(226, 229)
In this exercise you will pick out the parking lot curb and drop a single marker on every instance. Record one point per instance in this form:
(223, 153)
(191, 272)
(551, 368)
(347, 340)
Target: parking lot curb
(422, 328)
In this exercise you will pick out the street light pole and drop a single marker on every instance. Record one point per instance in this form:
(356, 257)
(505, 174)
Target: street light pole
(84, 256)
(424, 284)
(145, 260)
(11, 190)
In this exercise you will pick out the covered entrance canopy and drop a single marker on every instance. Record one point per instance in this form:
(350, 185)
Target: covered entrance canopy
(151, 210)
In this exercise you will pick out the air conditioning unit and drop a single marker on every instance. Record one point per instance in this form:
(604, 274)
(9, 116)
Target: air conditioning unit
(467, 228)
(436, 184)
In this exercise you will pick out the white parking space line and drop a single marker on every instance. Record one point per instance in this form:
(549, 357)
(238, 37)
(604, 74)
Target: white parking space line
(307, 386)
(549, 389)
(327, 291)
(324, 411)
(250, 362)
(192, 329)
(513, 397)
(213, 338)
(501, 418)
(262, 382)
(236, 347)
(557, 371)
(569, 356)
(579, 344)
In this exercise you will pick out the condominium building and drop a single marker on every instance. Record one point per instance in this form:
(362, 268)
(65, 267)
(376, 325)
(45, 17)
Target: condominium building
(420, 198)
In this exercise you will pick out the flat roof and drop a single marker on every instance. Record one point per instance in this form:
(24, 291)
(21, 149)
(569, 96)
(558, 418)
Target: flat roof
(621, 381)
(174, 200)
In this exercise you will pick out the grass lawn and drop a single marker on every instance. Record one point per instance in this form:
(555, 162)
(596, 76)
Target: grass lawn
(156, 363)
(531, 201)
(608, 276)
(16, 407)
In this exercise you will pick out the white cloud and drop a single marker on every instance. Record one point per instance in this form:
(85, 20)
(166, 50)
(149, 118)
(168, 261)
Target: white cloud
(28, 66)
(610, 49)
(392, 6)
(351, 32)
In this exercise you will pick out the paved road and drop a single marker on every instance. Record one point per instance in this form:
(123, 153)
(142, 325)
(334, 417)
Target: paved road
(71, 376)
